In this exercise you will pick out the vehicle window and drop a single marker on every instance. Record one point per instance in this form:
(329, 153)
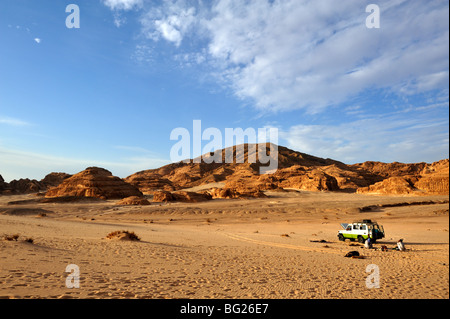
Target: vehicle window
(349, 228)
(355, 226)
(363, 227)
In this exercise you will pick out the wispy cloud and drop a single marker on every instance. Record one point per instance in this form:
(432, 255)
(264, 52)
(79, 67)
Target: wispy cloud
(12, 121)
(388, 138)
(123, 4)
(119, 6)
(171, 22)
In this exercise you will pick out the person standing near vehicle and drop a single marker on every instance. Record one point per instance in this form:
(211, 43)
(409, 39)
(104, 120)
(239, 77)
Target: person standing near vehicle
(368, 243)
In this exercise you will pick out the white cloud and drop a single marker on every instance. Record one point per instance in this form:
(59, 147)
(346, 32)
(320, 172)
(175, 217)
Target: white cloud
(37, 40)
(123, 4)
(170, 22)
(299, 54)
(313, 54)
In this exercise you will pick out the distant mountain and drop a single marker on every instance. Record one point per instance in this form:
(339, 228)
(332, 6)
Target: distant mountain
(296, 170)
(28, 186)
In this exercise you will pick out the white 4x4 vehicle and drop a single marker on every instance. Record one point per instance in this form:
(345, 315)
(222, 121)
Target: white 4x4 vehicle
(361, 230)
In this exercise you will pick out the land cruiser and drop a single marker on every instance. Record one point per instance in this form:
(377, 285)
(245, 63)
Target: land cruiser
(360, 231)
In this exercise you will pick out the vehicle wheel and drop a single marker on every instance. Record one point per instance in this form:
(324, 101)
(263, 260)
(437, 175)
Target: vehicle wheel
(361, 239)
(341, 237)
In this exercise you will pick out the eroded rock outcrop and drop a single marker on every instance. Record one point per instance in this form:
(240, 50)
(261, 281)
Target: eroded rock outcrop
(389, 186)
(54, 179)
(229, 193)
(410, 179)
(182, 196)
(434, 178)
(133, 201)
(94, 182)
(26, 186)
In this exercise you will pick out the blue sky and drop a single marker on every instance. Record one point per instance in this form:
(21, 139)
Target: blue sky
(109, 93)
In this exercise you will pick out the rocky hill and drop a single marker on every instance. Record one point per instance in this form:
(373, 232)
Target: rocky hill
(94, 182)
(296, 170)
(28, 186)
(420, 178)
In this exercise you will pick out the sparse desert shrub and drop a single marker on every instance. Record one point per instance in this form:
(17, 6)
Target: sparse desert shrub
(123, 235)
(11, 237)
(285, 235)
(15, 237)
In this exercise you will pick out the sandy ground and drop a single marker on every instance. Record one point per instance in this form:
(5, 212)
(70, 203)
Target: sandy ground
(259, 248)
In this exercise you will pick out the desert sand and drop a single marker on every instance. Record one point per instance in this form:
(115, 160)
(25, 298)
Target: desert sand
(284, 246)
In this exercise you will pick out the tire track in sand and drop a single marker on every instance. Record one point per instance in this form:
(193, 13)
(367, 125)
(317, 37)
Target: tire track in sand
(280, 245)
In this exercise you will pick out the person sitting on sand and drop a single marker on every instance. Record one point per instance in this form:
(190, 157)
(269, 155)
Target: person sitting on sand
(401, 245)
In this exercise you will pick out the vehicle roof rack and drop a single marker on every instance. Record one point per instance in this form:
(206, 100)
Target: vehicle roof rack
(365, 221)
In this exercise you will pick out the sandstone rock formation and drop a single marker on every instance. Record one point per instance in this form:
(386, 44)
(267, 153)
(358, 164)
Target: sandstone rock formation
(54, 179)
(295, 170)
(134, 201)
(26, 186)
(390, 186)
(434, 178)
(419, 178)
(228, 193)
(174, 177)
(239, 175)
(182, 196)
(163, 197)
(94, 182)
